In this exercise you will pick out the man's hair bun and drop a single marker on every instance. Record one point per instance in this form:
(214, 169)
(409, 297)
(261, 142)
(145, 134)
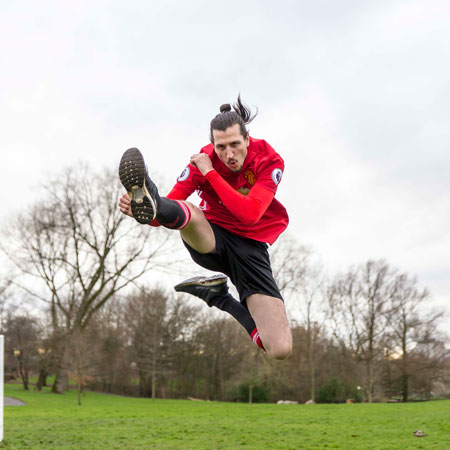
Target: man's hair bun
(225, 108)
(242, 115)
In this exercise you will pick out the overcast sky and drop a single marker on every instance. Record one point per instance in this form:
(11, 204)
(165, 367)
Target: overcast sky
(355, 96)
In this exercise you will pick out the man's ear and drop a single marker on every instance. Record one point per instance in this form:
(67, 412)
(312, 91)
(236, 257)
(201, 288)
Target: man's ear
(247, 139)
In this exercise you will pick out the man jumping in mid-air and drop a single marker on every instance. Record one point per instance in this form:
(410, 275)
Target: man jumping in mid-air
(236, 176)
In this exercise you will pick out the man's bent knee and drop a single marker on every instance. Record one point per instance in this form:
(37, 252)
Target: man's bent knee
(280, 350)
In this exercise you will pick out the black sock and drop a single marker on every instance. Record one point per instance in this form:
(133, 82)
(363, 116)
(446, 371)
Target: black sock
(172, 214)
(236, 309)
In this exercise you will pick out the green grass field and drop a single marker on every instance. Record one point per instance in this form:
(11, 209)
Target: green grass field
(51, 421)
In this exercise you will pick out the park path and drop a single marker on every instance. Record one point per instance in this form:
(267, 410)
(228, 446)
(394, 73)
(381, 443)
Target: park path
(11, 401)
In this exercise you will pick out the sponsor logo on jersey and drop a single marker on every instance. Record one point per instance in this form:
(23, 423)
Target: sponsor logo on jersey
(276, 176)
(249, 177)
(185, 174)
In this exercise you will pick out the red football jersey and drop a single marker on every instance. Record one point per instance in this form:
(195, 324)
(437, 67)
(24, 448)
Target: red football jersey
(262, 169)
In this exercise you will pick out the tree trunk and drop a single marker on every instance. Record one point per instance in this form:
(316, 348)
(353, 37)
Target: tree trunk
(405, 387)
(313, 383)
(79, 386)
(61, 383)
(24, 375)
(144, 384)
(405, 376)
(370, 381)
(42, 379)
(215, 391)
(155, 342)
(153, 385)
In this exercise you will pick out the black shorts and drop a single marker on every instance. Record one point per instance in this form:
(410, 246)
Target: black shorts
(244, 260)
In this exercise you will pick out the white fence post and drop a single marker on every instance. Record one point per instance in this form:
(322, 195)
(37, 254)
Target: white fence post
(2, 357)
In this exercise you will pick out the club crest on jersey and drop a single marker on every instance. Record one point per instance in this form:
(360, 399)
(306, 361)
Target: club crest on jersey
(276, 176)
(249, 177)
(185, 174)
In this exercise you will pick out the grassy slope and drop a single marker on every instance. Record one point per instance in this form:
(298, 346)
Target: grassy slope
(106, 422)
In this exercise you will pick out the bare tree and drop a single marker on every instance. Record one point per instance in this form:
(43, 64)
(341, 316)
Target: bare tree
(4, 288)
(45, 360)
(81, 358)
(359, 306)
(416, 350)
(301, 282)
(113, 366)
(289, 263)
(220, 351)
(147, 314)
(81, 249)
(252, 370)
(431, 357)
(311, 291)
(22, 337)
(410, 323)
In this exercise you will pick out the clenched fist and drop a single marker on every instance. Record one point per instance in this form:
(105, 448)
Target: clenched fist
(202, 162)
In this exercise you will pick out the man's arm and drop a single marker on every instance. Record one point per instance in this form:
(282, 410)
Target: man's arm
(248, 209)
(177, 194)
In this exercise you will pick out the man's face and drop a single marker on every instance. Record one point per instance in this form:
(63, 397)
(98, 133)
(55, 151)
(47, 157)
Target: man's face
(231, 147)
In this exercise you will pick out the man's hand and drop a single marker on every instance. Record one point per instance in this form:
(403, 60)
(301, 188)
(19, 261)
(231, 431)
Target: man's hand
(202, 162)
(124, 205)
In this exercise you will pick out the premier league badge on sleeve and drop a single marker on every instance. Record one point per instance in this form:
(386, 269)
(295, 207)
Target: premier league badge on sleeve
(276, 176)
(185, 174)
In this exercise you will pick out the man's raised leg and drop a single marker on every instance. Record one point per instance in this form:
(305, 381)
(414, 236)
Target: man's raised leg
(214, 291)
(198, 233)
(272, 323)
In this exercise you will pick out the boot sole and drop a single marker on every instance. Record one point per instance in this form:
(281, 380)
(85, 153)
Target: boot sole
(132, 176)
(215, 280)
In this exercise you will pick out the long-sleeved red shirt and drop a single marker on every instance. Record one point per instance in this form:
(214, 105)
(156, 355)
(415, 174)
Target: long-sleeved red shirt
(243, 203)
